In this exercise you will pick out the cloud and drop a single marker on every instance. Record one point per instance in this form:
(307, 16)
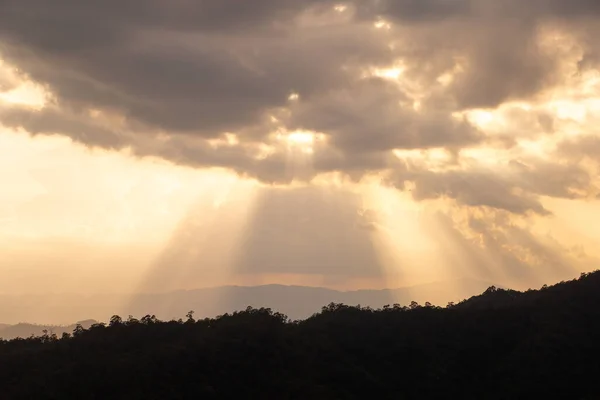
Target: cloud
(171, 79)
(177, 72)
(515, 186)
(7, 79)
(471, 188)
(367, 117)
(552, 179)
(582, 146)
(51, 120)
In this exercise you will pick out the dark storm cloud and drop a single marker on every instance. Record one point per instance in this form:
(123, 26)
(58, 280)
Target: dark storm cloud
(202, 67)
(52, 24)
(197, 69)
(211, 66)
(414, 10)
(427, 10)
(566, 9)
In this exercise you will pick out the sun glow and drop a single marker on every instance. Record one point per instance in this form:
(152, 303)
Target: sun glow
(389, 73)
(299, 147)
(300, 141)
(301, 138)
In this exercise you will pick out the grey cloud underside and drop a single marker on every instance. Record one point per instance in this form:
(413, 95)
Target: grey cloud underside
(515, 188)
(197, 69)
(367, 117)
(52, 121)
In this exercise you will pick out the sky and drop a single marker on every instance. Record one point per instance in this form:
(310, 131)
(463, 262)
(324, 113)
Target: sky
(153, 145)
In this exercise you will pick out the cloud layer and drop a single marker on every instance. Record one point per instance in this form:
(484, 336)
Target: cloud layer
(216, 82)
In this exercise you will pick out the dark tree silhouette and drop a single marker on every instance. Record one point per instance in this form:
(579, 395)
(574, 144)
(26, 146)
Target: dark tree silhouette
(502, 344)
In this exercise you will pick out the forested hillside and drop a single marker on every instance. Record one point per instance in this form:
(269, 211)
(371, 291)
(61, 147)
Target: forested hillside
(500, 345)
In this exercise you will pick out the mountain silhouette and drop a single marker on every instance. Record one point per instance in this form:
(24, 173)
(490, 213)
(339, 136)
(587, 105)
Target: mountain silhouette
(297, 302)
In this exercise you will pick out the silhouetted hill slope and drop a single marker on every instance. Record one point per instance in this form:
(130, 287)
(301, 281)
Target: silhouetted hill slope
(547, 296)
(298, 302)
(492, 298)
(536, 345)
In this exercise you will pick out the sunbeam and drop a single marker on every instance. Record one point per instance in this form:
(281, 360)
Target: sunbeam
(407, 254)
(228, 148)
(203, 248)
(310, 233)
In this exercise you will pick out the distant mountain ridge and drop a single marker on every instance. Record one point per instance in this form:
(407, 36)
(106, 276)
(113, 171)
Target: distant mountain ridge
(298, 302)
(24, 330)
(285, 298)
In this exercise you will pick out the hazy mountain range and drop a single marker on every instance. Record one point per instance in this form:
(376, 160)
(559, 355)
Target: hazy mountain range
(57, 312)
(24, 330)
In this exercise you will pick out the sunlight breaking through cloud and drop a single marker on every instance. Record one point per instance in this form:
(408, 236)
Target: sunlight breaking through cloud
(453, 140)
